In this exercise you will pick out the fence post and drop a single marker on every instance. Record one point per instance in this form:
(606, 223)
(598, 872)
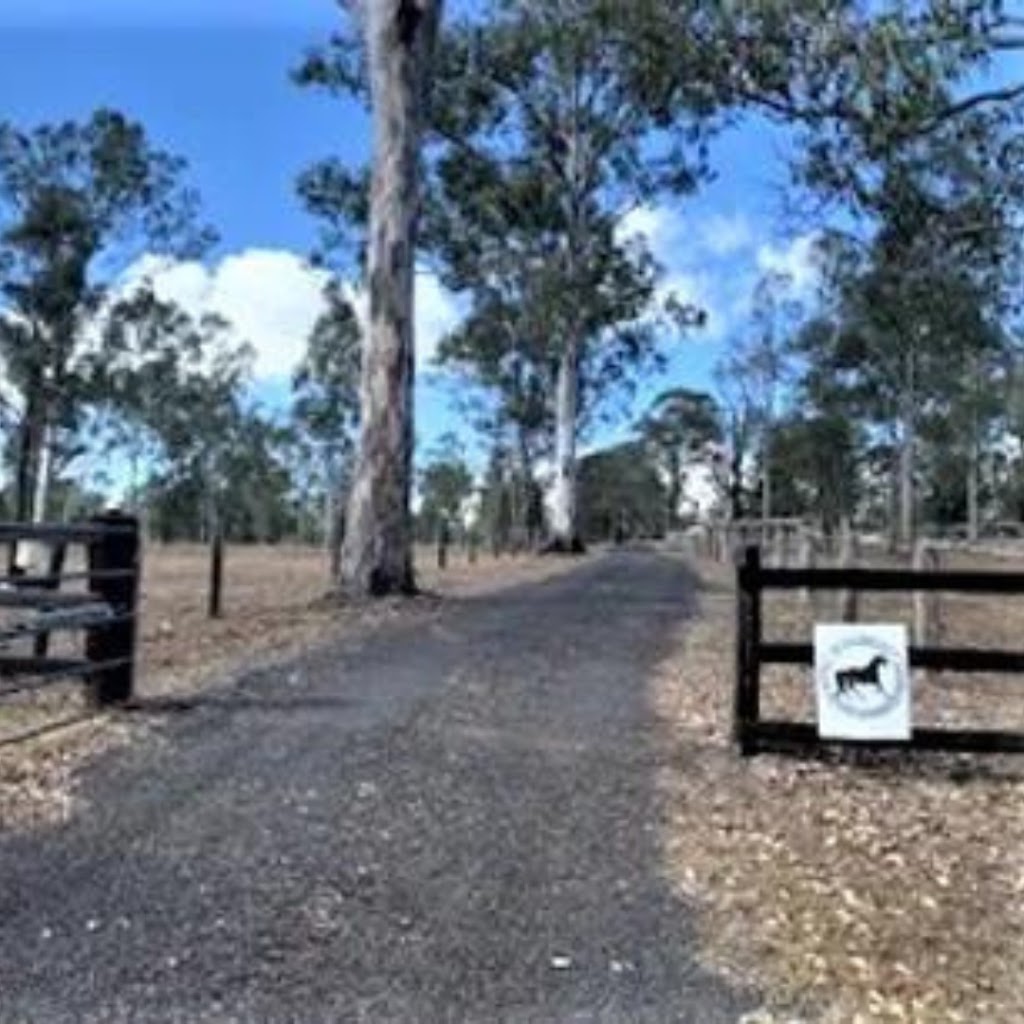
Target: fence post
(747, 696)
(114, 550)
(734, 544)
(443, 540)
(780, 545)
(807, 559)
(54, 569)
(213, 598)
(927, 619)
(848, 599)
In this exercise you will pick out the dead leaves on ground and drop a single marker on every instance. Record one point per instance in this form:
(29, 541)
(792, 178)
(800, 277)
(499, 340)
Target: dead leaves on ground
(886, 890)
(38, 776)
(274, 610)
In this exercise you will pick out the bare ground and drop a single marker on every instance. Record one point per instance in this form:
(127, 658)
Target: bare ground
(884, 889)
(866, 889)
(452, 822)
(275, 607)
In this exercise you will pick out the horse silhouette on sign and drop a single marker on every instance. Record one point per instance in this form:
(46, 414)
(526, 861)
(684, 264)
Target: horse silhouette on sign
(851, 679)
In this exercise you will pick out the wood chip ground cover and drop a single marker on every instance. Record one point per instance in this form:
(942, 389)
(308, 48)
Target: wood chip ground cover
(867, 889)
(274, 608)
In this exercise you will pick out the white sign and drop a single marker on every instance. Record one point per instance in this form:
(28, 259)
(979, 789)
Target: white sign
(862, 680)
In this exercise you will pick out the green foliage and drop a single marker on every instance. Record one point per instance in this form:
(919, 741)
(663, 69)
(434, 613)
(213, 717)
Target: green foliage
(78, 202)
(541, 149)
(511, 512)
(895, 387)
(816, 466)
(678, 430)
(168, 391)
(339, 197)
(621, 494)
(502, 350)
(497, 501)
(446, 483)
(550, 119)
(864, 85)
(537, 144)
(242, 483)
(325, 403)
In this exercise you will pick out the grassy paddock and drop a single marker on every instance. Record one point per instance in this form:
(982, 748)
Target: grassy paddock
(273, 602)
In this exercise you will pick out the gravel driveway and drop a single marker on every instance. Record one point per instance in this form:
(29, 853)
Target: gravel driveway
(443, 822)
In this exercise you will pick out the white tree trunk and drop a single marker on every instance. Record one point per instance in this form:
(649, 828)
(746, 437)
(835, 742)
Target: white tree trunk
(377, 552)
(973, 495)
(565, 534)
(908, 451)
(328, 514)
(907, 487)
(766, 486)
(974, 456)
(41, 496)
(32, 556)
(333, 527)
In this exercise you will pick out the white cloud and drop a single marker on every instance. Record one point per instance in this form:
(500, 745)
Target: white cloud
(725, 234)
(705, 258)
(715, 260)
(678, 241)
(799, 260)
(661, 226)
(700, 289)
(8, 392)
(437, 313)
(694, 289)
(701, 491)
(272, 297)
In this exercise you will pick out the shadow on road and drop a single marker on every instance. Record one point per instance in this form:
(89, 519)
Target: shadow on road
(233, 703)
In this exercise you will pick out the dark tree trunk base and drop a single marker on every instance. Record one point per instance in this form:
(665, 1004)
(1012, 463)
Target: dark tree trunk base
(379, 582)
(384, 585)
(558, 546)
(338, 597)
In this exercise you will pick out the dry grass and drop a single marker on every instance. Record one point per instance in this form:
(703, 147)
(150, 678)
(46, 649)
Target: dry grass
(868, 889)
(274, 603)
(273, 609)
(971, 700)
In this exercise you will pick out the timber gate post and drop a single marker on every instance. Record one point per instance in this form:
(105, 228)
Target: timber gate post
(848, 552)
(214, 602)
(114, 577)
(747, 698)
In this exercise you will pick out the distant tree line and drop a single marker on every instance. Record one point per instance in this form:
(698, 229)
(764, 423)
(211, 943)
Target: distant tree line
(510, 144)
(549, 120)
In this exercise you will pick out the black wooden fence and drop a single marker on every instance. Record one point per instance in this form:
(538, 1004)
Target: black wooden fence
(106, 612)
(753, 734)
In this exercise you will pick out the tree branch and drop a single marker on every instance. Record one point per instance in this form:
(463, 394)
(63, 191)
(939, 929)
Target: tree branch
(1007, 95)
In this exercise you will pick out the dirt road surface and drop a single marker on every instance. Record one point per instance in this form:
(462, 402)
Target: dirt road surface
(451, 821)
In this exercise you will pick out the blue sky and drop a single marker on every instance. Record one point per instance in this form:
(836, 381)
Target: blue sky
(209, 78)
(276, 14)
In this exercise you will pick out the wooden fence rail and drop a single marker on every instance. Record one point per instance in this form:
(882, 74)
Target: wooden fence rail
(753, 734)
(105, 613)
